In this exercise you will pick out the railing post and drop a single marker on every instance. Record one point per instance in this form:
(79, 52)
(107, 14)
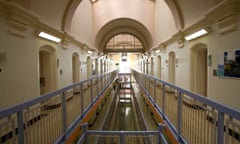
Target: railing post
(64, 114)
(179, 113)
(20, 127)
(145, 82)
(220, 128)
(85, 130)
(81, 98)
(98, 91)
(161, 138)
(105, 79)
(102, 78)
(154, 90)
(163, 100)
(121, 137)
(83, 138)
(91, 91)
(149, 89)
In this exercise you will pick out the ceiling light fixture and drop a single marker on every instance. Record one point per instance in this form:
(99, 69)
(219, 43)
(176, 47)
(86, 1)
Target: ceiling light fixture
(93, 1)
(196, 34)
(157, 51)
(49, 37)
(90, 52)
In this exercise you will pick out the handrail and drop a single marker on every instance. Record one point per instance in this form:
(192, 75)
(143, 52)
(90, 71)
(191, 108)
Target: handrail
(222, 121)
(18, 107)
(122, 134)
(218, 118)
(221, 107)
(21, 117)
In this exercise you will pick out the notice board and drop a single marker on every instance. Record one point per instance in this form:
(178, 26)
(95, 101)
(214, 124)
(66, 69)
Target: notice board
(229, 63)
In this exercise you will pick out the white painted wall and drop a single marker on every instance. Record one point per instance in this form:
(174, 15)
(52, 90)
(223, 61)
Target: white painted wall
(19, 78)
(50, 12)
(82, 23)
(224, 90)
(164, 25)
(195, 11)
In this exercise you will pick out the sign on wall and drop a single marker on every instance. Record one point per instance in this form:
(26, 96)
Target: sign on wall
(229, 64)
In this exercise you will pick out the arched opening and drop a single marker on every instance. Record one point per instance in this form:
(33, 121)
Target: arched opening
(159, 67)
(171, 67)
(199, 69)
(75, 68)
(47, 69)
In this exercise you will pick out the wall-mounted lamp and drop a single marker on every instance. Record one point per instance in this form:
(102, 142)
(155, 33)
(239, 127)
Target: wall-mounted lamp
(196, 34)
(49, 37)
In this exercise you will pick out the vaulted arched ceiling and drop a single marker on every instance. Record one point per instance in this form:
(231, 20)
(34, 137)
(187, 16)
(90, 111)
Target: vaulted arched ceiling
(61, 16)
(73, 5)
(121, 25)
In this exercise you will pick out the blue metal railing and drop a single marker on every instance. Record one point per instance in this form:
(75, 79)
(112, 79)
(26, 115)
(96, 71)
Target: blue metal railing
(191, 117)
(52, 117)
(121, 136)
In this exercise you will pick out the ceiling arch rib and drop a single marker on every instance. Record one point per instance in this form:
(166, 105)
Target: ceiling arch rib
(68, 15)
(120, 26)
(178, 18)
(73, 5)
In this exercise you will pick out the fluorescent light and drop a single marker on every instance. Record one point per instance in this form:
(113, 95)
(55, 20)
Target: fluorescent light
(49, 37)
(90, 52)
(93, 1)
(196, 34)
(157, 51)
